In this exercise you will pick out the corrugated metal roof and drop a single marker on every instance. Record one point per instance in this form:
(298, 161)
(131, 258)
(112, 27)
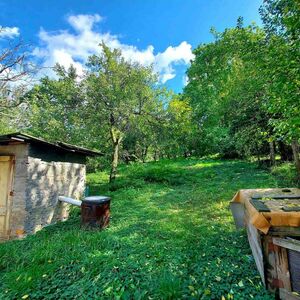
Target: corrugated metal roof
(26, 138)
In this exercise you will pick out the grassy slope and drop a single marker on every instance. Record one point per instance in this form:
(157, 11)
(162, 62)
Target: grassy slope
(171, 236)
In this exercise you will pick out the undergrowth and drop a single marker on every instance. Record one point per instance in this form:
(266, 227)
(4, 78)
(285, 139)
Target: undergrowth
(286, 173)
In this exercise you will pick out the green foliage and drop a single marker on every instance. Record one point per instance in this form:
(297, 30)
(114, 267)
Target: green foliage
(114, 100)
(281, 17)
(180, 128)
(55, 109)
(11, 107)
(242, 98)
(282, 24)
(165, 240)
(286, 173)
(118, 93)
(244, 87)
(226, 92)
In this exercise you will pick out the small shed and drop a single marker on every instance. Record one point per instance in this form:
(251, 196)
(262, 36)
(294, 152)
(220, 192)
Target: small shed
(33, 173)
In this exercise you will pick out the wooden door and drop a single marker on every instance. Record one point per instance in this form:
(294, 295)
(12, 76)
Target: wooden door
(6, 182)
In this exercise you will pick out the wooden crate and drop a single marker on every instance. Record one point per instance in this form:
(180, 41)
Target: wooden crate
(277, 257)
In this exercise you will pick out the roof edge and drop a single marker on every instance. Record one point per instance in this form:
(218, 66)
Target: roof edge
(60, 145)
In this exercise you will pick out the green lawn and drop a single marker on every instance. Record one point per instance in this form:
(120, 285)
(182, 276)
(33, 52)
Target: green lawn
(171, 237)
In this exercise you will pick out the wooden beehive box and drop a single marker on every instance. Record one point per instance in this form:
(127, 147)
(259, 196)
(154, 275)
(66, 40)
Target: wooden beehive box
(272, 219)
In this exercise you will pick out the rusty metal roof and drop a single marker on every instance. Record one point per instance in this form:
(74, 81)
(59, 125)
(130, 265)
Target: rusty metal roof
(28, 139)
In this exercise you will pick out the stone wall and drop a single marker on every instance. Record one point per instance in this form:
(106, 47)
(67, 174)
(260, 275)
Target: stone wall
(46, 180)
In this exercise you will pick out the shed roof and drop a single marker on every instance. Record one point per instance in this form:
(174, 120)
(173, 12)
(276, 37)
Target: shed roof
(28, 139)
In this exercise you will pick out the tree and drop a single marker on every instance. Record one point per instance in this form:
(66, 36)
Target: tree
(55, 108)
(15, 73)
(282, 23)
(144, 137)
(118, 92)
(179, 126)
(281, 18)
(227, 92)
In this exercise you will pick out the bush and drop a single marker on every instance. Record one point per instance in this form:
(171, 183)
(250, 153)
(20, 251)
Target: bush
(286, 173)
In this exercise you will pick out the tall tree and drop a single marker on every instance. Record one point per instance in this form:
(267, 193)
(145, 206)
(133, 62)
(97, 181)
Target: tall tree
(55, 108)
(16, 72)
(282, 23)
(118, 92)
(227, 92)
(179, 127)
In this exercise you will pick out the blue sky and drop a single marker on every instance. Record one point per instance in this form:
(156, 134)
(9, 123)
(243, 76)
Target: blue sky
(159, 32)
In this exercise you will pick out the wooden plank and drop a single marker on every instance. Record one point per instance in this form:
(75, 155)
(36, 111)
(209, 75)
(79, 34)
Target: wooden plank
(282, 267)
(284, 231)
(290, 243)
(254, 239)
(238, 212)
(6, 181)
(287, 295)
(4, 158)
(268, 247)
(294, 264)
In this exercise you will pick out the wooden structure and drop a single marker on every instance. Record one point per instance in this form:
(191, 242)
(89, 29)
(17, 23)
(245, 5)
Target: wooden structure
(276, 251)
(33, 174)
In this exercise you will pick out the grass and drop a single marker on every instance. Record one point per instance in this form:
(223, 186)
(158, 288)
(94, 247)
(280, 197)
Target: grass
(286, 173)
(171, 237)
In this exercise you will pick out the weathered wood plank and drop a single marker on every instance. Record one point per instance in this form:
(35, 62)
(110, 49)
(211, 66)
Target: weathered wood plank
(284, 231)
(294, 264)
(270, 263)
(6, 185)
(254, 239)
(290, 243)
(282, 266)
(287, 295)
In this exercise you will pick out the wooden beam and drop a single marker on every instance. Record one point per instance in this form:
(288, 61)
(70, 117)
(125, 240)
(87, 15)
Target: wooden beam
(284, 231)
(290, 243)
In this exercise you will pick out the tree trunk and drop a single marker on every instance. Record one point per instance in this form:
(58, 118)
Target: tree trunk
(185, 154)
(114, 161)
(155, 155)
(145, 152)
(286, 152)
(295, 147)
(272, 153)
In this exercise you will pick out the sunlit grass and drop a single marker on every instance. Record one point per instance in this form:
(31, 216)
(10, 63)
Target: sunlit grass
(171, 236)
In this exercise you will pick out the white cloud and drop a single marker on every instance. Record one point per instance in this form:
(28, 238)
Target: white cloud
(68, 48)
(9, 32)
(83, 22)
(185, 80)
(165, 61)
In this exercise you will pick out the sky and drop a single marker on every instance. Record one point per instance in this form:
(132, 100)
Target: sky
(161, 33)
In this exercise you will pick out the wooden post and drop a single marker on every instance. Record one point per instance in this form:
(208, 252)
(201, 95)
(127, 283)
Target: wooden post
(272, 153)
(295, 148)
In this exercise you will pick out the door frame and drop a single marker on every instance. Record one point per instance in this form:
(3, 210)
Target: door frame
(11, 159)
